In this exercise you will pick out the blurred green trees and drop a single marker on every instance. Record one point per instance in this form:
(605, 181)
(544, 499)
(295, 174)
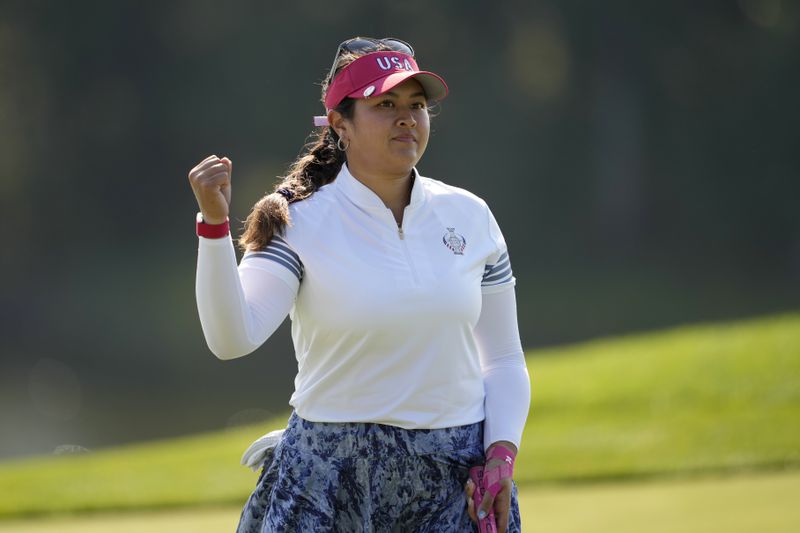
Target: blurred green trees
(641, 160)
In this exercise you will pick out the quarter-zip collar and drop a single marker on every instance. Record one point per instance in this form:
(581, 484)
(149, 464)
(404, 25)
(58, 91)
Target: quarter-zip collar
(364, 197)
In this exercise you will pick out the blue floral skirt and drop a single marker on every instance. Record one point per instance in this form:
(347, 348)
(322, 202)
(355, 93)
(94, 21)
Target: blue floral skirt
(367, 477)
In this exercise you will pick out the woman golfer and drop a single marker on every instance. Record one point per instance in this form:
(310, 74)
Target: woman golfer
(401, 297)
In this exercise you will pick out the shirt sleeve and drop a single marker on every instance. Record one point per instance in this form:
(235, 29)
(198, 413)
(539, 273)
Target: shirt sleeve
(497, 274)
(279, 259)
(241, 307)
(505, 375)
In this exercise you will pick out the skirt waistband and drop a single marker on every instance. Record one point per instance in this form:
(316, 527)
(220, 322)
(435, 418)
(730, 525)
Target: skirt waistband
(348, 439)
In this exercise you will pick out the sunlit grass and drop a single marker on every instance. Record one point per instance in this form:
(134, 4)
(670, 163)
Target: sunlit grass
(201, 469)
(700, 399)
(739, 504)
(707, 398)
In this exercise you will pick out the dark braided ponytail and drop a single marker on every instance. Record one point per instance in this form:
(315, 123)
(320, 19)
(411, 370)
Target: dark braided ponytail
(318, 166)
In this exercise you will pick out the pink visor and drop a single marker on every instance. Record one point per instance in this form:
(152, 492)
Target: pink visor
(375, 73)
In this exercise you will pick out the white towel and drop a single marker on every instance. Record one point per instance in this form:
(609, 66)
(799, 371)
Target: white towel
(255, 456)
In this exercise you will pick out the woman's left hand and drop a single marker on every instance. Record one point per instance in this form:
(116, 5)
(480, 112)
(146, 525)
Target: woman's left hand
(501, 503)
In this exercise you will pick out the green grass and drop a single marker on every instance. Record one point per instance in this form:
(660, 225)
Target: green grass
(739, 504)
(760, 502)
(690, 400)
(717, 398)
(198, 470)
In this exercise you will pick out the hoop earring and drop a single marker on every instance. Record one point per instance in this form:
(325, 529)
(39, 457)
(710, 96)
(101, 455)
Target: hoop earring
(340, 147)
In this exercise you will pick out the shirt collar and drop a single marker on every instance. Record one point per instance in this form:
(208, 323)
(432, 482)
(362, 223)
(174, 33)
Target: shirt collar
(363, 196)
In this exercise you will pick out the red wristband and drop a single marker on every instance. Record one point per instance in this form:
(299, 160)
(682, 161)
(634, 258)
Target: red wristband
(212, 231)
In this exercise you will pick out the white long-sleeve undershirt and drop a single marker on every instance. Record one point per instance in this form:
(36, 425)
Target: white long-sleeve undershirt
(239, 308)
(505, 376)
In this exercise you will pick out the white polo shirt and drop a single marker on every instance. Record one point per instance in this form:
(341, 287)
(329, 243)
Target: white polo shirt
(383, 317)
(414, 327)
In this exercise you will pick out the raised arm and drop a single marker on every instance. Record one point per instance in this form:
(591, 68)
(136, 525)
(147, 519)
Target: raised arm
(240, 307)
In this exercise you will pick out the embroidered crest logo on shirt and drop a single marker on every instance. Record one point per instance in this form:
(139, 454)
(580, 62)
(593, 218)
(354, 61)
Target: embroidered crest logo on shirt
(454, 241)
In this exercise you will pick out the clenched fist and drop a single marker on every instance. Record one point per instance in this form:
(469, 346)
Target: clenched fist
(211, 183)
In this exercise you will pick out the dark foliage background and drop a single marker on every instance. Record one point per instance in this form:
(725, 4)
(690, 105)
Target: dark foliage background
(641, 159)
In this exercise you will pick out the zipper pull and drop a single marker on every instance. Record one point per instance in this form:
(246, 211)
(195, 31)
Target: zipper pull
(400, 232)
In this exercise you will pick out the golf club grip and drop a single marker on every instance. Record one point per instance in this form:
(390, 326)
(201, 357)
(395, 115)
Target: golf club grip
(488, 524)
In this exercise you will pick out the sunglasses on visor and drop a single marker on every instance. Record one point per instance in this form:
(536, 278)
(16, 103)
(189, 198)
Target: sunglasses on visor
(364, 45)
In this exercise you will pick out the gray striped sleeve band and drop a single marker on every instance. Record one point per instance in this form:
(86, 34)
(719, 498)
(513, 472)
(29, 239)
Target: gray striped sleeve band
(498, 273)
(279, 251)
